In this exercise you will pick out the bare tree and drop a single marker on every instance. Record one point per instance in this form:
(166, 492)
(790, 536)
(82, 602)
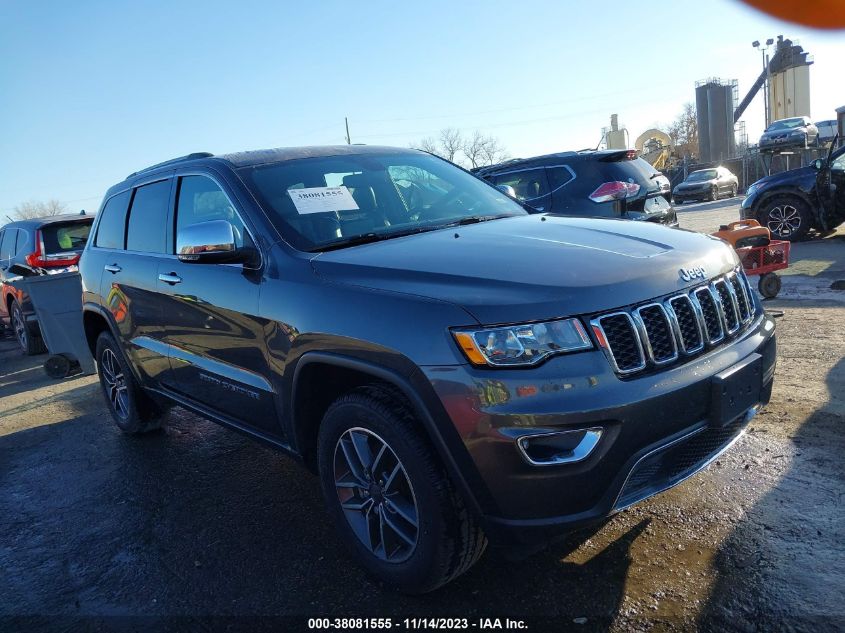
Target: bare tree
(684, 132)
(451, 142)
(478, 150)
(38, 209)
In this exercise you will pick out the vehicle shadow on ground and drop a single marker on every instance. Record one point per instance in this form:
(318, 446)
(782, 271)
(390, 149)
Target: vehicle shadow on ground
(199, 521)
(786, 547)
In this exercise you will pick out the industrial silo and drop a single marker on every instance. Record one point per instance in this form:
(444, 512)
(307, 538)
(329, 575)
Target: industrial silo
(714, 105)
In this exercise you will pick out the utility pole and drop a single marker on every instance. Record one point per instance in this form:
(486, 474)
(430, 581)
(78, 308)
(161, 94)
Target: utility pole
(348, 140)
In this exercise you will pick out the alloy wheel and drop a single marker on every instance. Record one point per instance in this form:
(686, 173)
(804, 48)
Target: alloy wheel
(784, 220)
(376, 495)
(115, 383)
(19, 326)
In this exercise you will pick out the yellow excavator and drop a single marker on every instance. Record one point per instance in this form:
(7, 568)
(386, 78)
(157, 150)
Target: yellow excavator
(654, 146)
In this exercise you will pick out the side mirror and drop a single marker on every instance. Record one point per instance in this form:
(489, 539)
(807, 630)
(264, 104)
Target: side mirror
(507, 190)
(817, 164)
(211, 242)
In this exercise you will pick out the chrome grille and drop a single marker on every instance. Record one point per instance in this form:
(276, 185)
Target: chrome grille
(711, 314)
(689, 325)
(728, 301)
(621, 336)
(742, 298)
(658, 339)
(658, 333)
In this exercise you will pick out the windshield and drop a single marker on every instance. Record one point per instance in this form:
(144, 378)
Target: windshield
(704, 174)
(327, 202)
(786, 124)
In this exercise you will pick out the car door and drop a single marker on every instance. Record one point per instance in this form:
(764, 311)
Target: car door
(531, 186)
(831, 184)
(5, 262)
(213, 331)
(129, 282)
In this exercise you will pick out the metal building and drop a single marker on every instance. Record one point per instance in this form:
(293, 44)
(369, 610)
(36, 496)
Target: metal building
(715, 100)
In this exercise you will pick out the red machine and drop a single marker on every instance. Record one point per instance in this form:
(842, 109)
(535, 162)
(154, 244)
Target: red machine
(759, 254)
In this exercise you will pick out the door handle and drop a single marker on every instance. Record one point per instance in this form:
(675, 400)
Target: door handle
(112, 268)
(170, 278)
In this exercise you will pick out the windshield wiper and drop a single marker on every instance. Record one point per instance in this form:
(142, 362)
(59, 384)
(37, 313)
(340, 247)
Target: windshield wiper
(475, 219)
(368, 238)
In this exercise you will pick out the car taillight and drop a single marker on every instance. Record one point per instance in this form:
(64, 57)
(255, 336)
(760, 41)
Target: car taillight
(616, 190)
(38, 259)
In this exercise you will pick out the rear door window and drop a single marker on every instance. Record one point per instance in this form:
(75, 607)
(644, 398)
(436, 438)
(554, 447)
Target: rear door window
(528, 184)
(65, 237)
(7, 245)
(146, 231)
(558, 176)
(112, 227)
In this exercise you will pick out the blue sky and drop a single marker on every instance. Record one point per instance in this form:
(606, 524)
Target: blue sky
(93, 90)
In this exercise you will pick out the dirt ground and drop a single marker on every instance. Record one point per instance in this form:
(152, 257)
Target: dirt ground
(197, 527)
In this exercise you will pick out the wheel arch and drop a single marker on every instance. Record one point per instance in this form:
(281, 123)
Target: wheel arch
(306, 413)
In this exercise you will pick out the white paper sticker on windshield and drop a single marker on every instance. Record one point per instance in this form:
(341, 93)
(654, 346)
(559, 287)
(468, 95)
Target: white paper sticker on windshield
(322, 199)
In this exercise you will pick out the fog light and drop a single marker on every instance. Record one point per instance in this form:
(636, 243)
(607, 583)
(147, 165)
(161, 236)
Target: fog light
(559, 447)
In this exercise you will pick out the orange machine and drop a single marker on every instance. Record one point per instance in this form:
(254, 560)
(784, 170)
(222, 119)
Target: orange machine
(744, 233)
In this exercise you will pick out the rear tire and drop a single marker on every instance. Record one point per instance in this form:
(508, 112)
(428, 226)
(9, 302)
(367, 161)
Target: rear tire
(133, 411)
(29, 343)
(734, 191)
(365, 501)
(787, 217)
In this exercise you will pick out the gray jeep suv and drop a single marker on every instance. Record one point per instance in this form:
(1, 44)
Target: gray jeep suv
(455, 369)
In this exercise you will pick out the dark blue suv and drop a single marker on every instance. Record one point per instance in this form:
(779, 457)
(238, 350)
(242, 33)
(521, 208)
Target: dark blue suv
(456, 369)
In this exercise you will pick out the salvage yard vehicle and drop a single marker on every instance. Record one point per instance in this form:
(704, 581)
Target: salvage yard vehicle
(706, 184)
(797, 131)
(790, 203)
(454, 368)
(47, 245)
(602, 184)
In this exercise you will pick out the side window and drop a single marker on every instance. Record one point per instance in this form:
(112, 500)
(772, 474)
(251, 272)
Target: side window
(23, 240)
(528, 184)
(838, 164)
(558, 176)
(200, 199)
(112, 227)
(146, 231)
(7, 245)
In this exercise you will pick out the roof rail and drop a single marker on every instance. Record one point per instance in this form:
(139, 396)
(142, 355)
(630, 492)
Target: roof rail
(172, 161)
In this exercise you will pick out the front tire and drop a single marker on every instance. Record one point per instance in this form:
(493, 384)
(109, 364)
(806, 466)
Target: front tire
(714, 194)
(787, 217)
(132, 410)
(389, 495)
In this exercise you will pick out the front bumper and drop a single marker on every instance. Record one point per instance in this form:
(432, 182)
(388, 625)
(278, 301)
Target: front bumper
(655, 432)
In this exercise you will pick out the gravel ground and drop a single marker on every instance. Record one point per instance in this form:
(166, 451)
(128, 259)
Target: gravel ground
(197, 527)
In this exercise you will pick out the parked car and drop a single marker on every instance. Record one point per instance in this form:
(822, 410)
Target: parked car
(706, 184)
(796, 131)
(48, 245)
(827, 130)
(605, 184)
(792, 202)
(454, 368)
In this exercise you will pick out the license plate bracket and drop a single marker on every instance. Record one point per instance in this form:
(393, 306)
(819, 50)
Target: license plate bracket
(735, 390)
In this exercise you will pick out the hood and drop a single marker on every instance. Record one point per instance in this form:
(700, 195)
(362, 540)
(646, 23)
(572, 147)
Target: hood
(531, 267)
(791, 176)
(698, 184)
(784, 133)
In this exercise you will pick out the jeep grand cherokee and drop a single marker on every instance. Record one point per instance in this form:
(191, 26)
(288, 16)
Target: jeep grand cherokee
(454, 368)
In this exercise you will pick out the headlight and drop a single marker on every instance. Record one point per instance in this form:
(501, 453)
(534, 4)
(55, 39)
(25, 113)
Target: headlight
(522, 345)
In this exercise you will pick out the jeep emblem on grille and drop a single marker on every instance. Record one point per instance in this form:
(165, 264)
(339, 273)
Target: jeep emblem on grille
(688, 274)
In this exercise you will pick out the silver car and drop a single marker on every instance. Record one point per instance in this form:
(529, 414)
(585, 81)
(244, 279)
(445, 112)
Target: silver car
(792, 132)
(706, 184)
